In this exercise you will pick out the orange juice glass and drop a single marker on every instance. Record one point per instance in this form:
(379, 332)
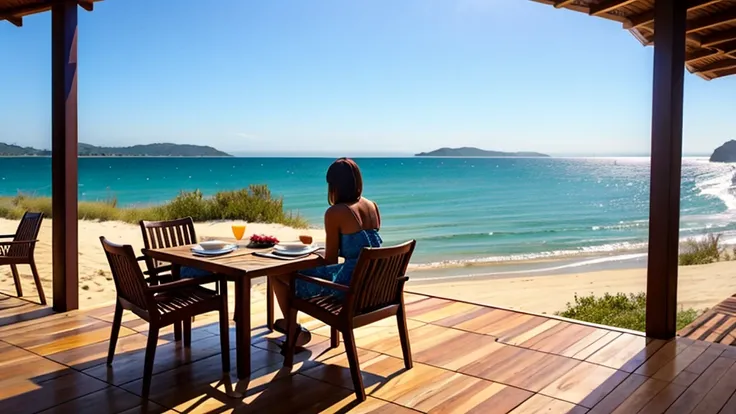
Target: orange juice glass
(238, 231)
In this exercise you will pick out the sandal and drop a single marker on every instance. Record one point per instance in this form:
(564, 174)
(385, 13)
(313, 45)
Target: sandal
(304, 335)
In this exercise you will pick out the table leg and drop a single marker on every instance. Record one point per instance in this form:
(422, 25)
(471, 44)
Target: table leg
(242, 326)
(176, 275)
(269, 304)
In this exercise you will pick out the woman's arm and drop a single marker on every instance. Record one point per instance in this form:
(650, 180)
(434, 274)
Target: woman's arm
(332, 237)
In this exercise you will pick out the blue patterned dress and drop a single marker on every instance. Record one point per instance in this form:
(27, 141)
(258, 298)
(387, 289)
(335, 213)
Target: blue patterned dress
(341, 273)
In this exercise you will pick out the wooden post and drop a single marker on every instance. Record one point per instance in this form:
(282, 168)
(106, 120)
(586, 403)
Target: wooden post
(664, 213)
(64, 154)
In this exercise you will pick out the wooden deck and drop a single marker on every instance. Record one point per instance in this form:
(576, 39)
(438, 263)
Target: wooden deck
(468, 358)
(718, 325)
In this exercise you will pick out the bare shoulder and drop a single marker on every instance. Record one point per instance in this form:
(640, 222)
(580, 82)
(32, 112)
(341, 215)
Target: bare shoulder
(370, 203)
(336, 212)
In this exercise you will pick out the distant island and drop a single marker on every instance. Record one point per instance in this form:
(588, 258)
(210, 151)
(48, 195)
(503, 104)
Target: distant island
(725, 153)
(149, 150)
(476, 152)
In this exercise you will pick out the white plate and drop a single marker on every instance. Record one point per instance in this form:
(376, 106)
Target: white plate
(291, 247)
(213, 245)
(227, 249)
(284, 252)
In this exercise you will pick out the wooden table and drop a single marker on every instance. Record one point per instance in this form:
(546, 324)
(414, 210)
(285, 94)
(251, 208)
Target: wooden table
(241, 267)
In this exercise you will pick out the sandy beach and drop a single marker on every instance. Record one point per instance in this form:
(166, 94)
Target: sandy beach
(95, 281)
(700, 286)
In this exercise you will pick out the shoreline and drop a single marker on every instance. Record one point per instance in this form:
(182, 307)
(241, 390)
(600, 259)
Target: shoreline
(541, 286)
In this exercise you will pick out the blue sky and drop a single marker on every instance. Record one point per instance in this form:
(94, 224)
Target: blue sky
(352, 77)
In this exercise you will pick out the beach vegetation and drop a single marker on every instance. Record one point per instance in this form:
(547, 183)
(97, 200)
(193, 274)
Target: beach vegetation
(254, 204)
(702, 251)
(619, 310)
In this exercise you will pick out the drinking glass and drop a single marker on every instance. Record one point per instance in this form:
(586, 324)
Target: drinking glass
(238, 231)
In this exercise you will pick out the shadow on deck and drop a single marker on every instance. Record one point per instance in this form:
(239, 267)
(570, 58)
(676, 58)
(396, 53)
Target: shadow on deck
(467, 358)
(14, 310)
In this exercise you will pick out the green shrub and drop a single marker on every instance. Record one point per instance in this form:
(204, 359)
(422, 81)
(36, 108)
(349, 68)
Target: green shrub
(619, 310)
(704, 251)
(252, 204)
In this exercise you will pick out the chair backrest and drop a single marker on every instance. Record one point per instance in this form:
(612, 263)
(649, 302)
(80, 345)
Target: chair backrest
(28, 230)
(129, 280)
(171, 233)
(379, 277)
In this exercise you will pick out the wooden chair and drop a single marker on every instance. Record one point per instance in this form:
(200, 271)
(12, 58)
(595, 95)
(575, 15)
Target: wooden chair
(376, 292)
(161, 234)
(161, 305)
(20, 250)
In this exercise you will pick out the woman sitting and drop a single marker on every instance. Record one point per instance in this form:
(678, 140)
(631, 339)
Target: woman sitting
(351, 223)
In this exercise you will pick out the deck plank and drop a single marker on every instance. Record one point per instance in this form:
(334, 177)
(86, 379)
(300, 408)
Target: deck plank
(719, 394)
(110, 399)
(523, 368)
(586, 384)
(36, 395)
(619, 395)
(467, 358)
(543, 404)
(701, 387)
(627, 352)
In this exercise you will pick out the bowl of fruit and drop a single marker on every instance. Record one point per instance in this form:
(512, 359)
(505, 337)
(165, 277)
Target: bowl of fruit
(261, 241)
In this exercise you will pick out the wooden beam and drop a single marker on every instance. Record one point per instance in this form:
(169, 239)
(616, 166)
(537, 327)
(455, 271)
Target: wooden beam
(64, 155)
(16, 21)
(666, 165)
(727, 72)
(607, 6)
(638, 20)
(720, 65)
(718, 38)
(727, 49)
(26, 9)
(701, 54)
(563, 3)
(714, 20)
(88, 5)
(644, 18)
(18, 12)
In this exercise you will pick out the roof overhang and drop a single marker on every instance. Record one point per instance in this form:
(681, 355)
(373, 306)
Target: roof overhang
(711, 29)
(15, 10)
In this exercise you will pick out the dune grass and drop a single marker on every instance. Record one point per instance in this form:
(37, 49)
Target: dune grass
(619, 310)
(253, 204)
(703, 251)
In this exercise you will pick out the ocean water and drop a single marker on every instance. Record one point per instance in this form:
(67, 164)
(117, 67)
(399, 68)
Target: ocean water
(473, 210)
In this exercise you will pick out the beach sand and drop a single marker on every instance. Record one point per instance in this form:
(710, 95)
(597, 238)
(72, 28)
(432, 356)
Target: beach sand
(95, 281)
(699, 287)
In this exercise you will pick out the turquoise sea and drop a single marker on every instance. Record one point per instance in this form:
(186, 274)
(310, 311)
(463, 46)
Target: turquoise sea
(471, 210)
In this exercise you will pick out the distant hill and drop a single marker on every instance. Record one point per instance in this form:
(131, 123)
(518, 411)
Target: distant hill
(476, 152)
(15, 150)
(149, 150)
(725, 153)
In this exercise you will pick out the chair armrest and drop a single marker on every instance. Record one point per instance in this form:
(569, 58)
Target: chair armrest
(160, 269)
(322, 282)
(182, 283)
(156, 271)
(15, 243)
(7, 236)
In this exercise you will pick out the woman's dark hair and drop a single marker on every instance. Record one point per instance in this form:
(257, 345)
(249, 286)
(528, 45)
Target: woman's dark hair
(344, 182)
